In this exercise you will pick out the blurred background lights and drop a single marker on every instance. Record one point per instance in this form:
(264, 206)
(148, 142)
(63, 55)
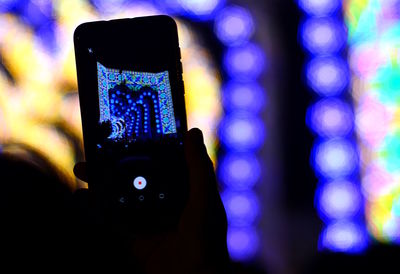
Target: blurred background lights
(335, 158)
(319, 7)
(201, 9)
(374, 45)
(372, 120)
(344, 237)
(243, 96)
(242, 132)
(108, 6)
(234, 25)
(327, 76)
(339, 199)
(330, 117)
(323, 35)
(242, 243)
(241, 207)
(239, 171)
(39, 105)
(244, 62)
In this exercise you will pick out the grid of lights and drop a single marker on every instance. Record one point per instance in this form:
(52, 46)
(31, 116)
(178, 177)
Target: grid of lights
(334, 157)
(36, 36)
(374, 39)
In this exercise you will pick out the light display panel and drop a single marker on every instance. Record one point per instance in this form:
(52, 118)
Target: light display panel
(374, 40)
(335, 156)
(135, 105)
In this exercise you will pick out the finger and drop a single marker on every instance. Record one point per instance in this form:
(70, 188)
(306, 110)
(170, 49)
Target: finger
(80, 171)
(201, 174)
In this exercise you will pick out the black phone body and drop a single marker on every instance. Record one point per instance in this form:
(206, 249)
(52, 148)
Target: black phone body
(133, 117)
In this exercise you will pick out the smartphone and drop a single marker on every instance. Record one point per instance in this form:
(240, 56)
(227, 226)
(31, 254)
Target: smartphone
(132, 105)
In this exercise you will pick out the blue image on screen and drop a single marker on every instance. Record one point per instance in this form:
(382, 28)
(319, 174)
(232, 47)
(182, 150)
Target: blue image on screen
(135, 105)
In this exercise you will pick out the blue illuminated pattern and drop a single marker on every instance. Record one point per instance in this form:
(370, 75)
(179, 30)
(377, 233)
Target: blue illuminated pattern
(335, 156)
(136, 104)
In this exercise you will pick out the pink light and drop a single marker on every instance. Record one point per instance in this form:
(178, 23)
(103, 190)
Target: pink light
(372, 121)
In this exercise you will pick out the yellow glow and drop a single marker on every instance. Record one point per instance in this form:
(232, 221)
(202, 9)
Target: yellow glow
(37, 101)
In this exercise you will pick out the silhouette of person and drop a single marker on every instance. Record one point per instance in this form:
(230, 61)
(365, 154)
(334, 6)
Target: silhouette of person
(198, 244)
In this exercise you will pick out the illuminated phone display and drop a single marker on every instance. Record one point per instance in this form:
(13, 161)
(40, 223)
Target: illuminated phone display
(135, 106)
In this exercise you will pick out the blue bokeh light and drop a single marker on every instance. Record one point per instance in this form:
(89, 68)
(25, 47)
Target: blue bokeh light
(239, 171)
(201, 9)
(340, 199)
(330, 117)
(242, 131)
(245, 62)
(108, 6)
(320, 7)
(234, 25)
(335, 158)
(241, 207)
(327, 76)
(344, 236)
(248, 96)
(242, 243)
(322, 35)
(170, 6)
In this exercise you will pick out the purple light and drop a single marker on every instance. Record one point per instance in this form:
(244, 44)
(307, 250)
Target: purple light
(344, 237)
(234, 25)
(243, 96)
(244, 62)
(322, 35)
(327, 76)
(239, 171)
(201, 9)
(36, 13)
(7, 5)
(242, 132)
(320, 7)
(335, 158)
(170, 6)
(242, 243)
(108, 6)
(241, 207)
(338, 200)
(330, 117)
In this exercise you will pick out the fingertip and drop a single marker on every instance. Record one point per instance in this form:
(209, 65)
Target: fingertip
(80, 171)
(196, 135)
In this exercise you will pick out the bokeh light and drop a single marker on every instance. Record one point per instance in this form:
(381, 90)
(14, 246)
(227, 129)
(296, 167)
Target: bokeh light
(373, 28)
(241, 207)
(327, 76)
(239, 171)
(344, 237)
(320, 7)
(243, 96)
(323, 35)
(330, 118)
(340, 199)
(234, 25)
(335, 158)
(242, 243)
(201, 9)
(242, 131)
(245, 62)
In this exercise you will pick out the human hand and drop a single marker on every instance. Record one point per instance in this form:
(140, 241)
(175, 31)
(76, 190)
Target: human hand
(198, 245)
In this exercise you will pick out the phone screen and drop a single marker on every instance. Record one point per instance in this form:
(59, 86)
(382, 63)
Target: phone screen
(135, 106)
(132, 95)
(133, 114)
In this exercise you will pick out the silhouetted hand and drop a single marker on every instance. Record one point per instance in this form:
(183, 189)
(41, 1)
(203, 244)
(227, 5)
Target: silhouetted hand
(198, 245)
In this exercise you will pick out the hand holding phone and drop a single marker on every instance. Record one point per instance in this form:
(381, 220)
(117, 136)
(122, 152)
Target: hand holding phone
(133, 117)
